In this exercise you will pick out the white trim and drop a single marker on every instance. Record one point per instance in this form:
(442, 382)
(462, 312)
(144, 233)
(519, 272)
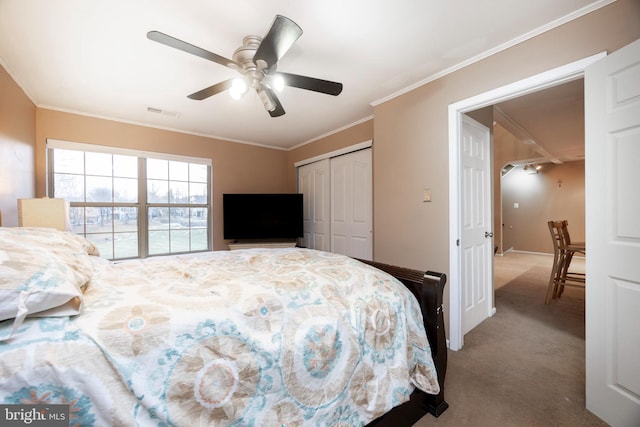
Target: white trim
(517, 251)
(80, 146)
(340, 129)
(531, 84)
(152, 126)
(340, 152)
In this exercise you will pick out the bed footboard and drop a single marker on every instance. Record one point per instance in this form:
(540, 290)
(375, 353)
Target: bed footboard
(428, 288)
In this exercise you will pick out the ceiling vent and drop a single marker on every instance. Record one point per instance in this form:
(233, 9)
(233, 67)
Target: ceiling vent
(173, 114)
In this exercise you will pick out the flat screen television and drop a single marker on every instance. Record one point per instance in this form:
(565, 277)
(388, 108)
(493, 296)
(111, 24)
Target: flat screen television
(262, 216)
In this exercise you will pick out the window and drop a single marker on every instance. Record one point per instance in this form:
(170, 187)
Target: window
(133, 204)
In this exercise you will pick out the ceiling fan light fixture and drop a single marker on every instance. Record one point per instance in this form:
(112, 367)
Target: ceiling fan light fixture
(238, 88)
(531, 168)
(278, 83)
(267, 101)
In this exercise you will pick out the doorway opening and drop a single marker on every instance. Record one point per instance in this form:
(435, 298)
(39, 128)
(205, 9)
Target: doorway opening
(554, 77)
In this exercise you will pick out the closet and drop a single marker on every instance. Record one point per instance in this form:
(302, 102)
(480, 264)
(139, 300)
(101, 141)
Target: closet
(338, 202)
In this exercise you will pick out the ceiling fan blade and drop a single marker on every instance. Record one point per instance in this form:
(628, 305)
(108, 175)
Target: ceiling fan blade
(273, 98)
(311, 83)
(211, 90)
(282, 35)
(175, 43)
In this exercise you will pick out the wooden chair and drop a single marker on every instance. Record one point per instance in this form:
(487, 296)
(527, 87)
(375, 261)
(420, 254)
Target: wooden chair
(563, 252)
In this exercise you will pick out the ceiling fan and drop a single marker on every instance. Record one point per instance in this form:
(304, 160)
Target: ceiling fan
(256, 60)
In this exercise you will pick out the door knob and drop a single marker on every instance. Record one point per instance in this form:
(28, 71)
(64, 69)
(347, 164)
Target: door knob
(487, 234)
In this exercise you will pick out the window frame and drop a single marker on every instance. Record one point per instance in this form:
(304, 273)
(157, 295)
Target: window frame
(142, 205)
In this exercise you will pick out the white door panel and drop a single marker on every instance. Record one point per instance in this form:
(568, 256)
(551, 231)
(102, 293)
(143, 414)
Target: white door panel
(476, 228)
(612, 173)
(351, 205)
(313, 183)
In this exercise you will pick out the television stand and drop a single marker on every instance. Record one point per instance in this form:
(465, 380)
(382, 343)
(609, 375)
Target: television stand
(262, 244)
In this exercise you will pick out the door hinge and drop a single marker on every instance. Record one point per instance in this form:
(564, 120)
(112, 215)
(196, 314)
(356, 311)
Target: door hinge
(458, 242)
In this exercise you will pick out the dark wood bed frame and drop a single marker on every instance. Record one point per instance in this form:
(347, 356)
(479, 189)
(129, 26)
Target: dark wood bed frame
(428, 287)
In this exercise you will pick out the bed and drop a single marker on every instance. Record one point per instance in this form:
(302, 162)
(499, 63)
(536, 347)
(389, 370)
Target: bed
(257, 337)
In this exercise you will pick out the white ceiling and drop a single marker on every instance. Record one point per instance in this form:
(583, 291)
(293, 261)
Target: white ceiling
(550, 120)
(94, 58)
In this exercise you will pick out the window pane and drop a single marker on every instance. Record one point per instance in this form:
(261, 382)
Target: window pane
(98, 220)
(179, 218)
(99, 189)
(158, 219)
(125, 219)
(76, 220)
(178, 171)
(198, 173)
(125, 245)
(157, 191)
(199, 217)
(125, 190)
(199, 239)
(125, 166)
(99, 163)
(178, 192)
(69, 187)
(158, 242)
(179, 241)
(68, 161)
(157, 169)
(104, 243)
(198, 193)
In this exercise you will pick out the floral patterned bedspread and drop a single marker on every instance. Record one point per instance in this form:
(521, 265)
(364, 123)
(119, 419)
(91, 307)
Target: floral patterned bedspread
(259, 337)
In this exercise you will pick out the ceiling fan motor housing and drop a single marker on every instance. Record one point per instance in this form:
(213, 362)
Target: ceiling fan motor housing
(244, 57)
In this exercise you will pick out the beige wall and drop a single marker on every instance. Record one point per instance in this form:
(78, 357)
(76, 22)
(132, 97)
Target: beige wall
(17, 140)
(541, 198)
(236, 167)
(506, 148)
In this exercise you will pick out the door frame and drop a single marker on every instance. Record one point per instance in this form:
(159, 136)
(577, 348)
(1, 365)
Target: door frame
(546, 79)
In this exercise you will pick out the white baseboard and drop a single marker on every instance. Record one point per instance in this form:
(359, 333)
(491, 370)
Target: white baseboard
(530, 252)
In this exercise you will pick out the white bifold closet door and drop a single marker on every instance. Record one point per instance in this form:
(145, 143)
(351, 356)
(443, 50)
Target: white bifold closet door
(338, 203)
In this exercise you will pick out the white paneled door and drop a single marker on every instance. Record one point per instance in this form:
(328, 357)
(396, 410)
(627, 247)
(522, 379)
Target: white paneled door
(476, 224)
(338, 204)
(612, 173)
(351, 205)
(314, 182)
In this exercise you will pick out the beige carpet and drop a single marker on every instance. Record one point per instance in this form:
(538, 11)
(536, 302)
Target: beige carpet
(525, 365)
